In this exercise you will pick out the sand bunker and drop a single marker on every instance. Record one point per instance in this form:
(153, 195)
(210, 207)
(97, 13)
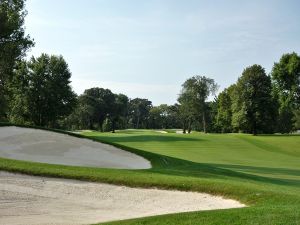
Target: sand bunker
(161, 131)
(55, 148)
(43, 201)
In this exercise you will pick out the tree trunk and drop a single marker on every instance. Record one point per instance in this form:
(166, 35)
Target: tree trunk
(100, 124)
(254, 130)
(91, 124)
(189, 126)
(204, 122)
(138, 122)
(113, 126)
(40, 119)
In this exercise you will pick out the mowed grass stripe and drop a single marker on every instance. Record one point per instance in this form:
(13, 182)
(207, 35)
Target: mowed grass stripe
(227, 149)
(271, 162)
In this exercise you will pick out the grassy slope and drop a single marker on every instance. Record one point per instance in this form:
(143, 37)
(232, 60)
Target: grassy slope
(262, 171)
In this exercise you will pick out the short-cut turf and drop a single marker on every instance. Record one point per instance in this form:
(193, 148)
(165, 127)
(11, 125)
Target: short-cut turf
(261, 171)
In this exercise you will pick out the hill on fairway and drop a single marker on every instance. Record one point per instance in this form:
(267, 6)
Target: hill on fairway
(263, 171)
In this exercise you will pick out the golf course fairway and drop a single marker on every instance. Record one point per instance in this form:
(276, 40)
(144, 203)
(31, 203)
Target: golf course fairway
(262, 172)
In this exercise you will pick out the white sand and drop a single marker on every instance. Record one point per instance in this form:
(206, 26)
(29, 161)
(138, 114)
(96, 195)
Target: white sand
(162, 131)
(181, 132)
(55, 148)
(44, 201)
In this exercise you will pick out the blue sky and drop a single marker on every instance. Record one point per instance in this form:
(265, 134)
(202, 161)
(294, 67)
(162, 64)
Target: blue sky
(149, 48)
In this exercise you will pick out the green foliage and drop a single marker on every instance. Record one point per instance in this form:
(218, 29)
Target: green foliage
(192, 99)
(139, 112)
(119, 112)
(286, 82)
(97, 106)
(164, 117)
(286, 75)
(297, 120)
(155, 118)
(13, 44)
(101, 101)
(285, 120)
(107, 125)
(100, 109)
(40, 91)
(224, 111)
(212, 111)
(253, 109)
(18, 88)
(173, 117)
(187, 110)
(82, 116)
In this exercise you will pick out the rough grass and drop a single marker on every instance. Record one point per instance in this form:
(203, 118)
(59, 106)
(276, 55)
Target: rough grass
(261, 171)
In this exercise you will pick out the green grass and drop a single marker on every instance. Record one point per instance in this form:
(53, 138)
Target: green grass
(261, 171)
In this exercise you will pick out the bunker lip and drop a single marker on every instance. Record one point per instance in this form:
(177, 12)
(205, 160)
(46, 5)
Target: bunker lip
(39, 201)
(55, 148)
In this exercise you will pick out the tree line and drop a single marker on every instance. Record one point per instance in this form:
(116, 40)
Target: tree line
(261, 103)
(38, 92)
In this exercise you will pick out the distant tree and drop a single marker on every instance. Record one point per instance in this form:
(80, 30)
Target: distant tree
(139, 112)
(164, 114)
(193, 96)
(173, 118)
(253, 106)
(82, 116)
(187, 111)
(159, 117)
(119, 112)
(61, 98)
(101, 101)
(155, 118)
(285, 108)
(224, 110)
(42, 85)
(18, 88)
(297, 120)
(13, 44)
(212, 112)
(286, 82)
(99, 108)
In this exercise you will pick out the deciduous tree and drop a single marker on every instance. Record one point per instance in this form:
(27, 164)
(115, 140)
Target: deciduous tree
(286, 82)
(41, 91)
(193, 96)
(13, 44)
(224, 110)
(253, 105)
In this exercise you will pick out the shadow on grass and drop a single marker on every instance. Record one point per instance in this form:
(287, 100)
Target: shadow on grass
(279, 135)
(263, 170)
(267, 147)
(174, 166)
(179, 167)
(143, 138)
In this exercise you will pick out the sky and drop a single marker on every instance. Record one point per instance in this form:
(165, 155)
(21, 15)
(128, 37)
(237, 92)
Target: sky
(148, 48)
